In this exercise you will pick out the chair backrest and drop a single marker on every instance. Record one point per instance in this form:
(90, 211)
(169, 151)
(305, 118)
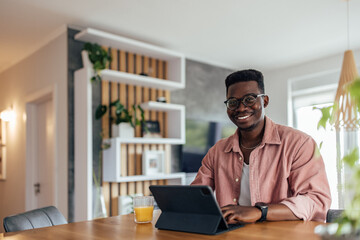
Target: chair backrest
(333, 214)
(38, 218)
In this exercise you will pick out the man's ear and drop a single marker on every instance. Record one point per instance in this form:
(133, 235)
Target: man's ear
(266, 101)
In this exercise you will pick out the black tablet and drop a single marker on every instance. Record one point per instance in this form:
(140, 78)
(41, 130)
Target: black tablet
(189, 209)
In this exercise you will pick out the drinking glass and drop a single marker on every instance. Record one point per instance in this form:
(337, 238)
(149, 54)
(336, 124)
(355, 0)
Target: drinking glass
(143, 209)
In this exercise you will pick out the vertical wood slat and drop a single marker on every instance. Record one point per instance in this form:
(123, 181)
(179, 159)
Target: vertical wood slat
(106, 194)
(131, 102)
(114, 199)
(160, 115)
(167, 97)
(114, 85)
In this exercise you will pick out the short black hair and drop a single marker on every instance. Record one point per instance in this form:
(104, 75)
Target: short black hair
(245, 76)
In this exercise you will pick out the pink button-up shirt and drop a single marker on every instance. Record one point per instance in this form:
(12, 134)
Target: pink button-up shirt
(286, 168)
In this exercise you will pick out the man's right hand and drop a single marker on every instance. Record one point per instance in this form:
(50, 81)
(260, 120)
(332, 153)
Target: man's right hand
(234, 214)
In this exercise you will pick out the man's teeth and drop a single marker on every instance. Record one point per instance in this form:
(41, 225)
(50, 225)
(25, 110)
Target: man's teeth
(244, 117)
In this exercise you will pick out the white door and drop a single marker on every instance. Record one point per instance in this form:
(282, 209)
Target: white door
(40, 154)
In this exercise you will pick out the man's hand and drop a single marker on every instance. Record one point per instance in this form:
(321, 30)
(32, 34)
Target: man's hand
(245, 214)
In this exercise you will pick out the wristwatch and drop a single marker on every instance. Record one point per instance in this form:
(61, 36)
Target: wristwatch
(264, 209)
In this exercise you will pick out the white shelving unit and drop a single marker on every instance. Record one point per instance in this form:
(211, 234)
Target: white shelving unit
(176, 61)
(83, 115)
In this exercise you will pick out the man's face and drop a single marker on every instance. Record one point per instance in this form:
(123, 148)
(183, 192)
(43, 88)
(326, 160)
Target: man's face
(244, 117)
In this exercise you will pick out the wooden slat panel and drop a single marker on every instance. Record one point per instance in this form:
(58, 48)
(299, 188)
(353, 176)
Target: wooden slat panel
(114, 85)
(124, 161)
(106, 194)
(131, 159)
(146, 188)
(131, 147)
(146, 90)
(105, 101)
(160, 93)
(139, 187)
(138, 93)
(153, 92)
(131, 188)
(123, 189)
(131, 154)
(114, 199)
(138, 159)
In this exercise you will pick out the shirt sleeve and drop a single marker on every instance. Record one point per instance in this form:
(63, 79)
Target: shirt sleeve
(308, 184)
(205, 175)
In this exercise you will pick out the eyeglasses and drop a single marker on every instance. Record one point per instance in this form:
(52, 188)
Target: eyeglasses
(248, 101)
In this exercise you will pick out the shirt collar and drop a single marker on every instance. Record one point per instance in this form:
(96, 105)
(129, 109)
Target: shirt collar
(271, 136)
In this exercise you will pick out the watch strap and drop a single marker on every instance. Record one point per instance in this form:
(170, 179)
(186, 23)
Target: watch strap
(264, 209)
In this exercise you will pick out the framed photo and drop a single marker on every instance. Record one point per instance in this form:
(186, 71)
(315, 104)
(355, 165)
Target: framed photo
(151, 129)
(2, 150)
(153, 162)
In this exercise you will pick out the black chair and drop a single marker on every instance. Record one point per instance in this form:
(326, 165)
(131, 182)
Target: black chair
(333, 214)
(38, 218)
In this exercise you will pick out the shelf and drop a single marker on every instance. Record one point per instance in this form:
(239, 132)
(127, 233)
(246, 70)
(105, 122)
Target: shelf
(176, 61)
(139, 140)
(159, 106)
(129, 78)
(139, 178)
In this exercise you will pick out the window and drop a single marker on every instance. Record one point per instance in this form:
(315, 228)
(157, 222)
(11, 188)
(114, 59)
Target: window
(305, 94)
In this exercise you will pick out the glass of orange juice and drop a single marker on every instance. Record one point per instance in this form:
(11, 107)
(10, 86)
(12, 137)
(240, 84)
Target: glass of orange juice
(143, 209)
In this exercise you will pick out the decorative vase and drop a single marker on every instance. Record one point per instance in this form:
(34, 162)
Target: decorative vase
(99, 209)
(123, 130)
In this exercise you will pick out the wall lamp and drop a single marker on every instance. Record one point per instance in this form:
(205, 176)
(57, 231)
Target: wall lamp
(8, 115)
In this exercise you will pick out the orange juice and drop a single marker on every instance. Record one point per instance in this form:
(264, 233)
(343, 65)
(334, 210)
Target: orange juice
(144, 214)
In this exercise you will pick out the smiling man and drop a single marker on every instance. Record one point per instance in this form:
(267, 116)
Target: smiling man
(265, 171)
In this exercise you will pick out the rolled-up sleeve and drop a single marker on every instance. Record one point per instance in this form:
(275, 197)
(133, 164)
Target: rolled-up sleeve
(310, 193)
(205, 175)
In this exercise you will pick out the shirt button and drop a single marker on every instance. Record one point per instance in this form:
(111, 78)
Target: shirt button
(240, 158)
(234, 199)
(236, 180)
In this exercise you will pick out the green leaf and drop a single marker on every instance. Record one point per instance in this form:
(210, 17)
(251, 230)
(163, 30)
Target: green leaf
(352, 158)
(326, 116)
(100, 111)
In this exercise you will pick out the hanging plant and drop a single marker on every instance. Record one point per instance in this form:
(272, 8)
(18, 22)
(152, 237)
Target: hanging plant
(99, 57)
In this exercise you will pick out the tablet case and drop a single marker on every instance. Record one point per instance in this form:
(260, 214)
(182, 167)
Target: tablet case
(189, 209)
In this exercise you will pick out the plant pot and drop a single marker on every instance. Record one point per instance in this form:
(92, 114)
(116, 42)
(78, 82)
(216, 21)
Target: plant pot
(123, 130)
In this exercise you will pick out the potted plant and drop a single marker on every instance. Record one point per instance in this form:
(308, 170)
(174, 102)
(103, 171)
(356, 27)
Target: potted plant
(99, 58)
(124, 120)
(348, 224)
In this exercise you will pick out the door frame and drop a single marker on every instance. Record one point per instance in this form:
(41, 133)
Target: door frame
(32, 100)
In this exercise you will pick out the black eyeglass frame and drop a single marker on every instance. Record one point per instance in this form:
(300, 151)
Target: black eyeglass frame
(242, 100)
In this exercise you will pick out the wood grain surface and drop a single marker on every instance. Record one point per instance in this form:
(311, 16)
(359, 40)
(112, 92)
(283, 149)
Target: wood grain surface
(123, 227)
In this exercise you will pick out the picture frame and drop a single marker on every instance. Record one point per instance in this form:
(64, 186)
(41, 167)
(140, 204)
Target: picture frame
(2, 150)
(153, 162)
(151, 129)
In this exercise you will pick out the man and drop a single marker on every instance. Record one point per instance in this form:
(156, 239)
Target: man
(264, 171)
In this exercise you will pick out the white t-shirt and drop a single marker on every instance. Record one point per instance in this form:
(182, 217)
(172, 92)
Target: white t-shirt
(244, 199)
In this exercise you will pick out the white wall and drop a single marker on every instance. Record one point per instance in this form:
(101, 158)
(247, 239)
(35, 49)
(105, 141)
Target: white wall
(276, 82)
(46, 68)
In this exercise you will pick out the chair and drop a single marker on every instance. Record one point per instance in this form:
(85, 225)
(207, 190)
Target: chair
(333, 214)
(38, 218)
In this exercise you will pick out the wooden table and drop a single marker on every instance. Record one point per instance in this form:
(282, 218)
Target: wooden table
(123, 227)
